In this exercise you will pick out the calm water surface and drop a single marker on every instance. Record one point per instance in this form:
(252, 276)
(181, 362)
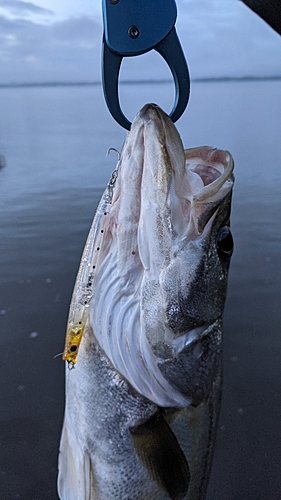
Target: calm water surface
(55, 142)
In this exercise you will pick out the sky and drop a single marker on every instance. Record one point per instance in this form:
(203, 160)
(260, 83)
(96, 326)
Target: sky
(60, 41)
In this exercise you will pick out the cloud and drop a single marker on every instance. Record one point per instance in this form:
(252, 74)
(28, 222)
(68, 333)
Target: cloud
(20, 7)
(225, 38)
(66, 51)
(219, 38)
(81, 30)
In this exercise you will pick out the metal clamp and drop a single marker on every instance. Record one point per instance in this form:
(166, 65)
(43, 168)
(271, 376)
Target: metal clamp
(134, 27)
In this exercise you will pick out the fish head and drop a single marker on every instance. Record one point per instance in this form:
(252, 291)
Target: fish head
(168, 246)
(184, 240)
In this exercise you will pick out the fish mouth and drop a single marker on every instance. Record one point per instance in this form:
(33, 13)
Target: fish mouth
(178, 344)
(155, 241)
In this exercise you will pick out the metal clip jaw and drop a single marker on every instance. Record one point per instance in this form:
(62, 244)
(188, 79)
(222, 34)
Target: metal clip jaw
(120, 41)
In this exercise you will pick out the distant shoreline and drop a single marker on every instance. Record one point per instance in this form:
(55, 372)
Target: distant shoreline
(141, 82)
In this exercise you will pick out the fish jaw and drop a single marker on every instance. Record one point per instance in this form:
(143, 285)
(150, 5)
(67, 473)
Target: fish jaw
(185, 199)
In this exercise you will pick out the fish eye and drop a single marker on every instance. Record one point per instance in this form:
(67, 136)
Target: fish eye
(224, 243)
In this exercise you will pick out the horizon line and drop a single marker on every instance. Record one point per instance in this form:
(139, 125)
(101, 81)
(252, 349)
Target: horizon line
(141, 82)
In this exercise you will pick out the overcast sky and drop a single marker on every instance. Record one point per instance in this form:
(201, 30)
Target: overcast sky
(60, 40)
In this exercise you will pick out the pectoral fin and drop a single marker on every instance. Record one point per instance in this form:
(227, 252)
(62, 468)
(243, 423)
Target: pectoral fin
(159, 449)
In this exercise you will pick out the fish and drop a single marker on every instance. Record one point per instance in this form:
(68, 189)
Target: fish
(143, 346)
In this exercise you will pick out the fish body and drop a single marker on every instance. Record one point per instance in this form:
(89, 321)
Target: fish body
(145, 325)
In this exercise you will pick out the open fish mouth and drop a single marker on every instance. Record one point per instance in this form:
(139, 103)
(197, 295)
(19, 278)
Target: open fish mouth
(154, 270)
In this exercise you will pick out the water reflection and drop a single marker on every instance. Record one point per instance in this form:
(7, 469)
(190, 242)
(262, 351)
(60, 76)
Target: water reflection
(55, 142)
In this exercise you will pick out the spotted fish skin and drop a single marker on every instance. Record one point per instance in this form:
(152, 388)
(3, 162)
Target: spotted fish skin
(144, 334)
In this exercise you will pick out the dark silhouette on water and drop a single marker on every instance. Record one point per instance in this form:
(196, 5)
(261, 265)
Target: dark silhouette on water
(2, 161)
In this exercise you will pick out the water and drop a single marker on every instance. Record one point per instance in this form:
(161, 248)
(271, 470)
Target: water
(55, 141)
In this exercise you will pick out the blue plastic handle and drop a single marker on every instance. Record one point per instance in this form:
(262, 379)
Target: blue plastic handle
(133, 27)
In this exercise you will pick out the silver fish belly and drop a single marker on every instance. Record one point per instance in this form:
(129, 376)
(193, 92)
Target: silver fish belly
(144, 332)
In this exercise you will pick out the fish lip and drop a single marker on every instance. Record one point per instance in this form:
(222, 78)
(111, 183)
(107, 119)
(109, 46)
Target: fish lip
(153, 115)
(149, 110)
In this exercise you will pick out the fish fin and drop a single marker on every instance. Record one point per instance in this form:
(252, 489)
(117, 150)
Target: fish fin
(159, 449)
(74, 477)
